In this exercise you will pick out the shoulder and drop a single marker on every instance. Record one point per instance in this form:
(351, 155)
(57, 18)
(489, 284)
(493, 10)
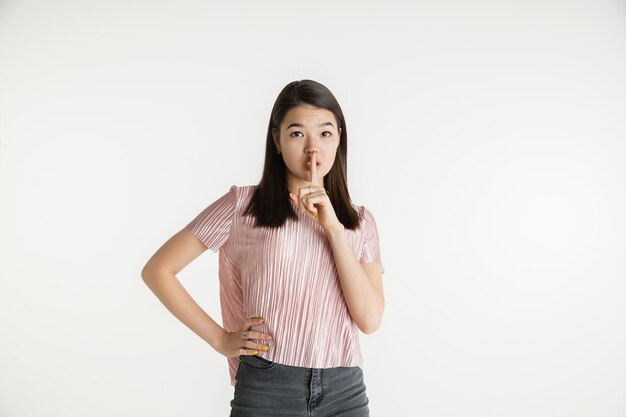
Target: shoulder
(241, 194)
(236, 196)
(244, 189)
(363, 212)
(366, 217)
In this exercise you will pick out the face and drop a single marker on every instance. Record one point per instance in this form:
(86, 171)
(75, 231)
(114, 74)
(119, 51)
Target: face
(305, 130)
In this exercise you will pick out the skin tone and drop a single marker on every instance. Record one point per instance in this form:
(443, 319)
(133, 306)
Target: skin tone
(308, 140)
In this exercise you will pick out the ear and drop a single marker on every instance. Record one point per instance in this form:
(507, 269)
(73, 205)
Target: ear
(275, 137)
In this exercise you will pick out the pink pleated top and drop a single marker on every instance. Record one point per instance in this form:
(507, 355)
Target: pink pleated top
(286, 275)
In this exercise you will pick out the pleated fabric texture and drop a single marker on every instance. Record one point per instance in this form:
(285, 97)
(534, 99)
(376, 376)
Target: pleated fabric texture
(286, 275)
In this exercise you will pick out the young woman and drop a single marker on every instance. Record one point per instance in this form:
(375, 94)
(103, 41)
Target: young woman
(299, 268)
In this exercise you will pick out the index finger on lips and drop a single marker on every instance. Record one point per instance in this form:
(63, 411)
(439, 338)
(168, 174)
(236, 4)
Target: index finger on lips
(314, 177)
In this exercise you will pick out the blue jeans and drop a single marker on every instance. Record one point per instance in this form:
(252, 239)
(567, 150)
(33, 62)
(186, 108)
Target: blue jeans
(269, 389)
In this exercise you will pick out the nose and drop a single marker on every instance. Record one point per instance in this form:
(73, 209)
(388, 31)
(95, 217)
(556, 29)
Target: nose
(310, 146)
(310, 150)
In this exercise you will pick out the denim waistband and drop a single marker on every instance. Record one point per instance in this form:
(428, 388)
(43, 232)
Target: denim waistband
(264, 388)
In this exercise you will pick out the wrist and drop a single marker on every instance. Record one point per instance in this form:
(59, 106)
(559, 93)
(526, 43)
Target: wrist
(216, 338)
(335, 229)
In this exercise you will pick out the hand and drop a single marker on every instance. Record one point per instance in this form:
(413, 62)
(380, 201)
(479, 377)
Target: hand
(315, 202)
(232, 344)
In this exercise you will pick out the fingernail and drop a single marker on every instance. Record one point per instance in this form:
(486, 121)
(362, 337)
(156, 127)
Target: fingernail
(264, 347)
(254, 352)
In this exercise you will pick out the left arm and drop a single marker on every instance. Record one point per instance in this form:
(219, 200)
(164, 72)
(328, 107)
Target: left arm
(361, 284)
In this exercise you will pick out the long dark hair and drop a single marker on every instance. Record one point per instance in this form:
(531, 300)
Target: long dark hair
(270, 202)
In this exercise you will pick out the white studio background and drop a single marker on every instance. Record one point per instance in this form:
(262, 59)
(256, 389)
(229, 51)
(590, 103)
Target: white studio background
(487, 137)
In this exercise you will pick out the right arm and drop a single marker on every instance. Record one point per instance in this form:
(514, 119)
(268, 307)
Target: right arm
(159, 274)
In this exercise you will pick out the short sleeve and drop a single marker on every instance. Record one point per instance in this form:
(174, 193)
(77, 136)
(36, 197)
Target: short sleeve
(212, 225)
(370, 252)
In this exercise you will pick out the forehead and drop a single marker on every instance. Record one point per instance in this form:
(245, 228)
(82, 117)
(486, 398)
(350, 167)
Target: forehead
(307, 114)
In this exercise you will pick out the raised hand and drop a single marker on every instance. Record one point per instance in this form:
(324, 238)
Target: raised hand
(314, 200)
(241, 342)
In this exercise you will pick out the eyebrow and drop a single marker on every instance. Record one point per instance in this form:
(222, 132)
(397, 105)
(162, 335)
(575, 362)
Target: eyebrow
(299, 125)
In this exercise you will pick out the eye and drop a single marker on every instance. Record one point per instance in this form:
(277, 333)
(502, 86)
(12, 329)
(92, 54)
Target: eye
(326, 134)
(296, 134)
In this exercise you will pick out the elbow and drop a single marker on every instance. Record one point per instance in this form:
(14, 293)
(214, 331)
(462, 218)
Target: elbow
(369, 329)
(370, 326)
(144, 272)
(151, 274)
(147, 273)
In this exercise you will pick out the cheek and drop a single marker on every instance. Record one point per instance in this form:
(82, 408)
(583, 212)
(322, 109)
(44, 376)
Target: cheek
(290, 158)
(331, 158)
(332, 152)
(292, 148)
